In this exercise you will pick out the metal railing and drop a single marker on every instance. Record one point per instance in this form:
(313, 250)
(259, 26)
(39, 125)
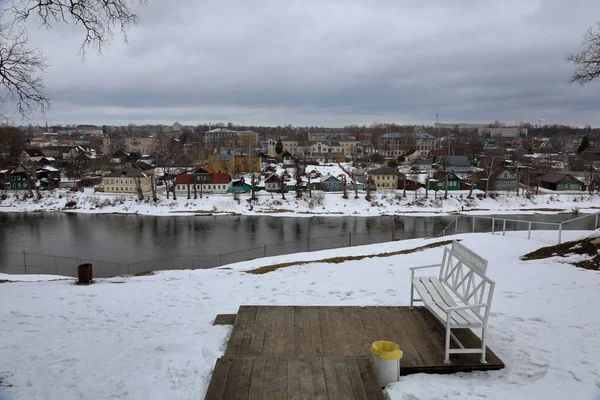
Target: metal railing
(516, 222)
(34, 263)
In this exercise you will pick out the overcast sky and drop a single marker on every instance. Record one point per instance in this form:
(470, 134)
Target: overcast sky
(328, 62)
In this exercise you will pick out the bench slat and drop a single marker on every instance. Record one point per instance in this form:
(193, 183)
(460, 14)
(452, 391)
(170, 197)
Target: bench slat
(468, 315)
(434, 301)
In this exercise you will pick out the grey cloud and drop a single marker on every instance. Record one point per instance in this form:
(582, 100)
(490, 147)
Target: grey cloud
(328, 62)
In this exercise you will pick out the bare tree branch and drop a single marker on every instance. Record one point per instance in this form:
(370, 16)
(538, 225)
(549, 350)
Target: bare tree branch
(587, 60)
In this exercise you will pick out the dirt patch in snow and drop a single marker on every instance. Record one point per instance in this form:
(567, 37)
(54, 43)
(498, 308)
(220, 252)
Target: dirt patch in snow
(338, 260)
(588, 247)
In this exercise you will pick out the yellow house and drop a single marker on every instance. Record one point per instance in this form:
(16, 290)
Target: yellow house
(384, 178)
(126, 181)
(229, 163)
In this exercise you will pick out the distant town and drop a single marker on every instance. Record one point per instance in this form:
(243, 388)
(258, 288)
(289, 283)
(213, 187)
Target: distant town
(153, 161)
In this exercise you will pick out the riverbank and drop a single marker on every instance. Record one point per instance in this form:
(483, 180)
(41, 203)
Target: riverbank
(330, 204)
(142, 325)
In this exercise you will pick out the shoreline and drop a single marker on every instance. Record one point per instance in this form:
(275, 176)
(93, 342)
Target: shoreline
(326, 205)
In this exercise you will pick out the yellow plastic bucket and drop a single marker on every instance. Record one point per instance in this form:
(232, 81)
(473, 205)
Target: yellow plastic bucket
(386, 350)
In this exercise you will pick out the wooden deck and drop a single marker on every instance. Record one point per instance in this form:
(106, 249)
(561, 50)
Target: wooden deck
(272, 343)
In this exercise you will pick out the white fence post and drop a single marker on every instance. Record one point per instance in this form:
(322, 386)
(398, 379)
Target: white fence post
(493, 224)
(503, 227)
(456, 225)
(560, 233)
(596, 223)
(529, 231)
(473, 224)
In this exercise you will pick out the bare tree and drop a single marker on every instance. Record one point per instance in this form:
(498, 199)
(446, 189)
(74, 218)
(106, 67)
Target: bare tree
(355, 186)
(153, 188)
(253, 188)
(21, 65)
(587, 60)
(138, 187)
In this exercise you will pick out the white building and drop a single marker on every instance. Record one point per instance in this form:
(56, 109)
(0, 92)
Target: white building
(501, 132)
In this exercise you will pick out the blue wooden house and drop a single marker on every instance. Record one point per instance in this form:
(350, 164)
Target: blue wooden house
(330, 183)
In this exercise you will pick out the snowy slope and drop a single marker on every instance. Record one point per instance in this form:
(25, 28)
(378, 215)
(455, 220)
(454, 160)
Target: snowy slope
(152, 337)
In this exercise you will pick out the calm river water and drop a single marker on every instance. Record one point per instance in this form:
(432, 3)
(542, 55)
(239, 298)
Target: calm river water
(120, 244)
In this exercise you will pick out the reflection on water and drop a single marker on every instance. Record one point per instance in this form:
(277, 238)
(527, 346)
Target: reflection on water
(128, 239)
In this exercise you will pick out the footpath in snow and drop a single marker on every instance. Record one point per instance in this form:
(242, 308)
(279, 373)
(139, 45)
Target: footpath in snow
(152, 337)
(331, 204)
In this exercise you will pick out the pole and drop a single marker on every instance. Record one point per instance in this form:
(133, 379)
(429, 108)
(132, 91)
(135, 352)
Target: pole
(456, 226)
(265, 252)
(307, 243)
(394, 229)
(529, 231)
(503, 227)
(493, 224)
(24, 262)
(473, 228)
(560, 233)
(596, 223)
(219, 259)
(349, 239)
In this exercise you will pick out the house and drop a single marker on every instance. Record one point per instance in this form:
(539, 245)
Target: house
(48, 177)
(560, 181)
(330, 183)
(454, 163)
(31, 155)
(413, 181)
(414, 155)
(287, 159)
(234, 163)
(20, 178)
(219, 183)
(502, 180)
(438, 181)
(239, 186)
(273, 183)
(396, 144)
(201, 176)
(183, 181)
(5, 178)
(126, 181)
(384, 178)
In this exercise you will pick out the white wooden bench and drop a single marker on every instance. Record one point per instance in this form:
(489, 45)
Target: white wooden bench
(460, 296)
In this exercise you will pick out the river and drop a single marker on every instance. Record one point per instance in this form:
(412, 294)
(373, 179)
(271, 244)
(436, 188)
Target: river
(120, 244)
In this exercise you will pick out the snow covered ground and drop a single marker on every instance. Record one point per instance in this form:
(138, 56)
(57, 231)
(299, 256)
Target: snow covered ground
(152, 337)
(383, 203)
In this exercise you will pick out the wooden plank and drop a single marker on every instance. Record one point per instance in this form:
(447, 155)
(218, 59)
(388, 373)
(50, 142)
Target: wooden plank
(242, 330)
(279, 339)
(356, 333)
(271, 376)
(373, 324)
(343, 379)
(289, 331)
(318, 379)
(331, 382)
(325, 328)
(245, 328)
(401, 336)
(342, 333)
(294, 377)
(258, 333)
(243, 389)
(268, 347)
(225, 319)
(306, 384)
(414, 329)
(358, 389)
(369, 379)
(302, 332)
(281, 379)
(317, 344)
(233, 379)
(257, 380)
(216, 386)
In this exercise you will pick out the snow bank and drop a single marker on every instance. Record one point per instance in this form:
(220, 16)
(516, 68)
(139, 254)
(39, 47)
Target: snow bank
(383, 203)
(152, 337)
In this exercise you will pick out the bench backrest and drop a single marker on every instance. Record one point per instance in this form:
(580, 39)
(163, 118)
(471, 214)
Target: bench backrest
(463, 272)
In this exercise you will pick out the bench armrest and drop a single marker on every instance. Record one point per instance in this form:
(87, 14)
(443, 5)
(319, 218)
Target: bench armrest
(426, 266)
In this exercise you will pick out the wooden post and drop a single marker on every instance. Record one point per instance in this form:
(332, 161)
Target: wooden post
(529, 231)
(503, 227)
(24, 262)
(349, 239)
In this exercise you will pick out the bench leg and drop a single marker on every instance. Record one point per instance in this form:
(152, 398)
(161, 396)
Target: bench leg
(412, 294)
(483, 347)
(447, 347)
